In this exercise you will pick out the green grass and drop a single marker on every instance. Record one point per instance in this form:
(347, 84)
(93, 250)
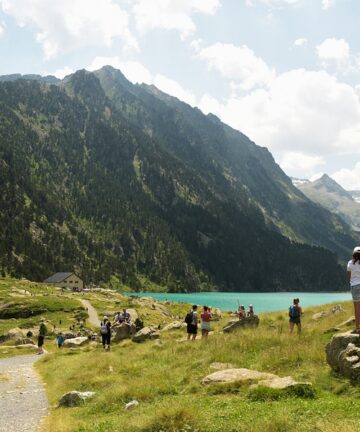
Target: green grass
(166, 378)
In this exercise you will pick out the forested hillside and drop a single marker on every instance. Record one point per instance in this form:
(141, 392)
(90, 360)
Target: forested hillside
(124, 183)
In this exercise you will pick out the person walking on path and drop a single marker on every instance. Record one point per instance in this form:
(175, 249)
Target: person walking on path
(353, 269)
(40, 340)
(295, 312)
(191, 320)
(60, 340)
(105, 331)
(205, 322)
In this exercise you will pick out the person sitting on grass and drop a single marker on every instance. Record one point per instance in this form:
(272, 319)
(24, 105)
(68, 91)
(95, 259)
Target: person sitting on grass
(241, 312)
(105, 331)
(295, 312)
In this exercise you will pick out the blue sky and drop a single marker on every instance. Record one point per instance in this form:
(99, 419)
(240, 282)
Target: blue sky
(284, 72)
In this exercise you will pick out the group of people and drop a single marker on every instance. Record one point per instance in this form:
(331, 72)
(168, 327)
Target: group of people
(192, 321)
(120, 318)
(242, 313)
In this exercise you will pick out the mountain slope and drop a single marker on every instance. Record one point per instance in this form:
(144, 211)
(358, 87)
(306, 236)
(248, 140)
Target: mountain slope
(326, 192)
(124, 183)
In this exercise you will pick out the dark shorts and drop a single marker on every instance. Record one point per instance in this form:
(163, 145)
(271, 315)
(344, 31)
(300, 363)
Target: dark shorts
(192, 328)
(40, 341)
(106, 339)
(294, 320)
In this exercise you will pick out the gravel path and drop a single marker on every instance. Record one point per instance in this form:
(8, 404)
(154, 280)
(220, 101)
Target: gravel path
(93, 316)
(23, 400)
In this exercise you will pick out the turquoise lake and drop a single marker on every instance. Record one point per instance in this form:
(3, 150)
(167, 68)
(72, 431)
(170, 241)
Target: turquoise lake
(263, 302)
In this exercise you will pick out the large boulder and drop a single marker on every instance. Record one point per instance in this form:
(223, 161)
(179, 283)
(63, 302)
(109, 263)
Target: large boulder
(256, 379)
(251, 321)
(76, 342)
(122, 331)
(343, 355)
(144, 334)
(24, 341)
(74, 398)
(175, 325)
(236, 375)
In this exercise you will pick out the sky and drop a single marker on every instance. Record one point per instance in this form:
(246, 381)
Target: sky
(284, 72)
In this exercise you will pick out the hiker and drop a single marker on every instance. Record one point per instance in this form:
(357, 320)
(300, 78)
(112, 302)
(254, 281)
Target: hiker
(205, 322)
(60, 340)
(241, 312)
(41, 338)
(124, 317)
(250, 311)
(353, 269)
(191, 320)
(105, 331)
(117, 317)
(295, 313)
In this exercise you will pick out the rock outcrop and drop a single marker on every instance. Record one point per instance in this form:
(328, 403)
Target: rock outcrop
(122, 331)
(74, 398)
(343, 355)
(175, 325)
(255, 378)
(76, 342)
(144, 334)
(251, 321)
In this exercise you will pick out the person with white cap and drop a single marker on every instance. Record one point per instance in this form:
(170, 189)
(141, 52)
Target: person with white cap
(353, 269)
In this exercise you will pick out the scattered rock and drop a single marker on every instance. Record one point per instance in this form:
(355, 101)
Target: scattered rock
(221, 366)
(74, 398)
(332, 330)
(252, 321)
(337, 309)
(24, 341)
(320, 315)
(122, 331)
(144, 334)
(76, 342)
(282, 383)
(236, 375)
(349, 322)
(131, 405)
(343, 355)
(176, 325)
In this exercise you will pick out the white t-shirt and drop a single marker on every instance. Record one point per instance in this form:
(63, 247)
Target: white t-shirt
(355, 272)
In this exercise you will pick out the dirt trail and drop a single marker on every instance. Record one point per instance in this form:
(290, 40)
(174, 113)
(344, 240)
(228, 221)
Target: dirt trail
(93, 316)
(23, 400)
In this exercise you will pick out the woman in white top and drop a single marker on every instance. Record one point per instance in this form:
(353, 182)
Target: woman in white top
(353, 269)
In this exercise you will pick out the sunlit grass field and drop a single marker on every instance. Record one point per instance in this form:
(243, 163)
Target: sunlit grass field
(165, 377)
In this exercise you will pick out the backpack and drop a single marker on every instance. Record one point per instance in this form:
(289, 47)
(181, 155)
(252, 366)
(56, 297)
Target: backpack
(104, 329)
(294, 312)
(189, 318)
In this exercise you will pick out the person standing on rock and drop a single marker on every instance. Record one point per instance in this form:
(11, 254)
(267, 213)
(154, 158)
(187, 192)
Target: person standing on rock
(105, 331)
(295, 312)
(205, 322)
(191, 320)
(353, 269)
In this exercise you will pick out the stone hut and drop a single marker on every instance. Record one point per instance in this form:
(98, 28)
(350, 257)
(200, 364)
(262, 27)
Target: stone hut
(65, 280)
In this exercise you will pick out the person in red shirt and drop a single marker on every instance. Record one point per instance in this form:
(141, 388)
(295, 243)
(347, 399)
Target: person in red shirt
(205, 322)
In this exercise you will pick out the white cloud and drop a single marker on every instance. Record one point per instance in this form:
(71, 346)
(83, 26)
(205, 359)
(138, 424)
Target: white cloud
(133, 71)
(347, 178)
(300, 42)
(333, 49)
(301, 109)
(238, 63)
(173, 88)
(2, 28)
(171, 14)
(327, 4)
(300, 163)
(61, 73)
(71, 24)
(274, 3)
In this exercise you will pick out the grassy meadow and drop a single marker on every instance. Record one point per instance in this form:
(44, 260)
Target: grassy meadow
(165, 377)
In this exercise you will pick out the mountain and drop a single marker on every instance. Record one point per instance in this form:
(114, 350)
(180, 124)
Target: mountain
(125, 184)
(326, 192)
(355, 195)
